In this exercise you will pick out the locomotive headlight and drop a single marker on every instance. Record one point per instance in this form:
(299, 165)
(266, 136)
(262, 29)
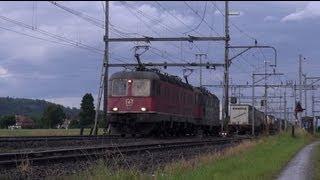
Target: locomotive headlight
(143, 109)
(129, 81)
(115, 109)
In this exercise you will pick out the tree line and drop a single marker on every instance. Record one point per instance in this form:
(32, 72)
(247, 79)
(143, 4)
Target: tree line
(54, 116)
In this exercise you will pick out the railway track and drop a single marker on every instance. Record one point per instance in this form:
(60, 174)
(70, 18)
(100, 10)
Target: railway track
(57, 138)
(50, 156)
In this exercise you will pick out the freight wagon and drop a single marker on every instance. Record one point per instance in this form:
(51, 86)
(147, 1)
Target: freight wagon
(241, 119)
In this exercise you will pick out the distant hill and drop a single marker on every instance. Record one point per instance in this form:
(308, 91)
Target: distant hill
(29, 107)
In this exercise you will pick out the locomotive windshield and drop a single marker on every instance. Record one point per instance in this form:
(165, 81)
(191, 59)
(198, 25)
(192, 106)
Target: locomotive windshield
(141, 87)
(119, 87)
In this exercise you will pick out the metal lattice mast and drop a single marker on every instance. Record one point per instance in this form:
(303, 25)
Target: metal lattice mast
(103, 88)
(300, 88)
(225, 107)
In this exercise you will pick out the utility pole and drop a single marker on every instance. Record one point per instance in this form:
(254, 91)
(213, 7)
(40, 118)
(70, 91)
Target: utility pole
(305, 94)
(265, 93)
(225, 107)
(295, 98)
(200, 55)
(300, 88)
(313, 114)
(104, 76)
(239, 91)
(253, 103)
(281, 114)
(285, 110)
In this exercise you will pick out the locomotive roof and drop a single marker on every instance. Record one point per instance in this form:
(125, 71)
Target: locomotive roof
(157, 75)
(134, 74)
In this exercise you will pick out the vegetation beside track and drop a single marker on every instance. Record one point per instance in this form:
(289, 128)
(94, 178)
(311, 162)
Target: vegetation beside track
(258, 159)
(44, 132)
(316, 164)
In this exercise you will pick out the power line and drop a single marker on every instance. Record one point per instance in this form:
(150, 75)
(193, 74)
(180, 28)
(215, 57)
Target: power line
(35, 37)
(195, 12)
(202, 19)
(55, 36)
(97, 22)
(90, 19)
(147, 25)
(178, 19)
(51, 35)
(57, 42)
(154, 21)
(233, 24)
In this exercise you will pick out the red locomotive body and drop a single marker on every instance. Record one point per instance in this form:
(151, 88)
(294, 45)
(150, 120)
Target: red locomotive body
(145, 102)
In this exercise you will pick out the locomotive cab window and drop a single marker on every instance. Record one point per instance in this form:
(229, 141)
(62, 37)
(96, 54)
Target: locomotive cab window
(141, 87)
(119, 87)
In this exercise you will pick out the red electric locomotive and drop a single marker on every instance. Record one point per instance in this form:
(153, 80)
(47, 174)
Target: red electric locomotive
(149, 102)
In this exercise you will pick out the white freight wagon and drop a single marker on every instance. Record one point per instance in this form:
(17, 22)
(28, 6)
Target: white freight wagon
(241, 118)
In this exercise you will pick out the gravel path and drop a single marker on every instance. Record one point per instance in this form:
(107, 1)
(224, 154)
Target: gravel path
(300, 167)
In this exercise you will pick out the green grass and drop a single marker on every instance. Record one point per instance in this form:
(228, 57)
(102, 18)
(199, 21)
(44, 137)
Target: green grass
(260, 159)
(44, 132)
(317, 163)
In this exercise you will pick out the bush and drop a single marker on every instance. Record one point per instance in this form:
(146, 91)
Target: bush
(6, 121)
(74, 124)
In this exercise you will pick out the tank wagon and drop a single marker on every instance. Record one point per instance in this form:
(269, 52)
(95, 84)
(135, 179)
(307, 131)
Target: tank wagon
(149, 102)
(241, 119)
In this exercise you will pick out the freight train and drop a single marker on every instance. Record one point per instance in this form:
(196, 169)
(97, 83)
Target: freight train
(241, 120)
(148, 102)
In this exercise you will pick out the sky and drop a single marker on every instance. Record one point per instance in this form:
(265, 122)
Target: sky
(62, 60)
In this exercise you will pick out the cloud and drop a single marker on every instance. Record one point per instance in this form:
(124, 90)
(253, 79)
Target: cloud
(270, 19)
(154, 17)
(3, 72)
(311, 11)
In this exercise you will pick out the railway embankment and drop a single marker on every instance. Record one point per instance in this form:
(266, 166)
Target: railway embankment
(263, 158)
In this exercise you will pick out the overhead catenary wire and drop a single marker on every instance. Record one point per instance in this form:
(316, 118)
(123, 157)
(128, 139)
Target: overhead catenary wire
(97, 22)
(52, 35)
(202, 19)
(60, 38)
(57, 42)
(154, 20)
(130, 9)
(175, 17)
(195, 12)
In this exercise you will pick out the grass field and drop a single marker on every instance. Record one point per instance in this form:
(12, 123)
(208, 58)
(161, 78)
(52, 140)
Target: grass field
(260, 159)
(44, 132)
(317, 163)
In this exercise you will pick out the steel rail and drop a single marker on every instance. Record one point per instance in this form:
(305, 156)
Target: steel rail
(56, 138)
(13, 159)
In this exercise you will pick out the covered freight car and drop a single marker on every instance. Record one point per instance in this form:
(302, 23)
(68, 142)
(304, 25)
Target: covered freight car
(241, 119)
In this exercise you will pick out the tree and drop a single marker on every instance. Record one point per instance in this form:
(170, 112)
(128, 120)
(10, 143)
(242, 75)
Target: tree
(6, 121)
(53, 115)
(73, 124)
(87, 112)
